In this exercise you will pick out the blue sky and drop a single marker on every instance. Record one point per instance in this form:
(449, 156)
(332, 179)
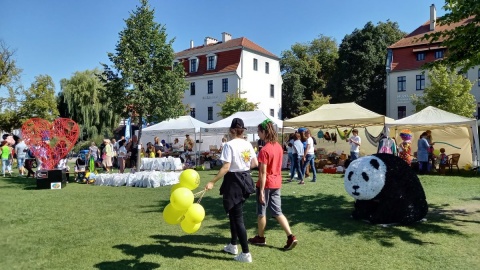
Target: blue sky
(59, 37)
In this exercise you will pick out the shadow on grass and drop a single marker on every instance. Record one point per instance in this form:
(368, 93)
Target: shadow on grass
(19, 181)
(167, 246)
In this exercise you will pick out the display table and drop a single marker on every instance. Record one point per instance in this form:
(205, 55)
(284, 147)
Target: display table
(150, 179)
(161, 164)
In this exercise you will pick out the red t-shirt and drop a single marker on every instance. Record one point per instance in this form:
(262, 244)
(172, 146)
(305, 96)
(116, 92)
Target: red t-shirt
(272, 155)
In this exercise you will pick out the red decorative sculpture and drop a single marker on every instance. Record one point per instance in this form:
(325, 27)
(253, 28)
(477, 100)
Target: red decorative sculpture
(50, 142)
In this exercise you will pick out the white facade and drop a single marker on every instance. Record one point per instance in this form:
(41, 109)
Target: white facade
(256, 86)
(397, 100)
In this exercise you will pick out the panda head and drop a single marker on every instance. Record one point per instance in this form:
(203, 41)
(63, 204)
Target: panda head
(365, 177)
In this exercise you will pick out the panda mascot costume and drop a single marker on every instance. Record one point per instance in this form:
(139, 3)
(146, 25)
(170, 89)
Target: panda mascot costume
(386, 190)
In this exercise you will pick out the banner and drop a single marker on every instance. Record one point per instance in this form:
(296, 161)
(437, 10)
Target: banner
(128, 131)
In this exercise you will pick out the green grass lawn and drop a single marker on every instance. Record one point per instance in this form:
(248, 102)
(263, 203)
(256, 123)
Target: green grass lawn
(95, 227)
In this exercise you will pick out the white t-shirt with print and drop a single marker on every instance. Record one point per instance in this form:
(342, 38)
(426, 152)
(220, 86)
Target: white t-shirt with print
(353, 146)
(239, 154)
(311, 150)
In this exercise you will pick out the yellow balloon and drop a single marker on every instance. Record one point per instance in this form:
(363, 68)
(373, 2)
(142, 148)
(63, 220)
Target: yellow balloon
(190, 179)
(189, 227)
(174, 187)
(436, 152)
(181, 199)
(195, 213)
(171, 215)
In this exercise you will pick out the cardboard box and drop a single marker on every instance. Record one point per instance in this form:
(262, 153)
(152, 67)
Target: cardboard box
(51, 179)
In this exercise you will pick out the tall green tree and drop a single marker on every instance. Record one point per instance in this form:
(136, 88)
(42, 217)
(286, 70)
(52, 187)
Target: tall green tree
(449, 91)
(142, 78)
(10, 118)
(87, 103)
(40, 99)
(360, 74)
(233, 104)
(9, 72)
(317, 101)
(463, 42)
(306, 69)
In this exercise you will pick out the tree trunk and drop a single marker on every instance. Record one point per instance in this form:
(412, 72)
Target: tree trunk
(139, 147)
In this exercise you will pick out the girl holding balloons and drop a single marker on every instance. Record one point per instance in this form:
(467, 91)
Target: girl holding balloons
(238, 158)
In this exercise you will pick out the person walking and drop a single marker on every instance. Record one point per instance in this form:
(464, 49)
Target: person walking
(309, 157)
(238, 158)
(297, 159)
(107, 155)
(269, 184)
(6, 158)
(21, 150)
(122, 155)
(422, 153)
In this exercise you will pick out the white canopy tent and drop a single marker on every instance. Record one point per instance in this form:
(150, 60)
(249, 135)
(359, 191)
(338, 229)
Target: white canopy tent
(338, 115)
(173, 127)
(447, 128)
(251, 120)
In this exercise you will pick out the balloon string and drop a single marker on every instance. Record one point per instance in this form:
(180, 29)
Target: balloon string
(201, 193)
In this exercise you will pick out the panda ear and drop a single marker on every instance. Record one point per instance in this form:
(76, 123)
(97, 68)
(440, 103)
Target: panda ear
(375, 163)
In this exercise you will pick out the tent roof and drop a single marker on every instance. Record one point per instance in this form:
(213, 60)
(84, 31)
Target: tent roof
(251, 119)
(341, 114)
(182, 124)
(432, 116)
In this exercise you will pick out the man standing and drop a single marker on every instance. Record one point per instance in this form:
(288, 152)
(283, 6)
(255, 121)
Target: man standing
(355, 141)
(188, 144)
(269, 184)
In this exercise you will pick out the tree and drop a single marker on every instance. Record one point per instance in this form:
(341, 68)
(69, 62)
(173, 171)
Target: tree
(306, 69)
(463, 42)
(40, 100)
(142, 79)
(317, 101)
(86, 103)
(360, 74)
(10, 118)
(448, 91)
(9, 72)
(235, 104)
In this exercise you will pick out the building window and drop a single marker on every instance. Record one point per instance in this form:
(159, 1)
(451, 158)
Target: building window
(267, 67)
(272, 112)
(420, 56)
(402, 112)
(193, 65)
(224, 85)
(210, 113)
(421, 82)
(210, 86)
(402, 83)
(211, 63)
(255, 64)
(192, 112)
(438, 54)
(192, 88)
(175, 63)
(272, 90)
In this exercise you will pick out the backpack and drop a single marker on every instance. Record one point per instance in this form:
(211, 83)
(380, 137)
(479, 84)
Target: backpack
(443, 159)
(30, 153)
(326, 136)
(320, 134)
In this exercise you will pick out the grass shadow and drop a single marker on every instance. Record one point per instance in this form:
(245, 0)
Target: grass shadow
(19, 181)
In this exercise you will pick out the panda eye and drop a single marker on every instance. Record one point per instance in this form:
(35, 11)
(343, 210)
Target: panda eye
(350, 176)
(365, 176)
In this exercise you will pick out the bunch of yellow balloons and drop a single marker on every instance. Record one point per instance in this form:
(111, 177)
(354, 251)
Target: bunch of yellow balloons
(181, 208)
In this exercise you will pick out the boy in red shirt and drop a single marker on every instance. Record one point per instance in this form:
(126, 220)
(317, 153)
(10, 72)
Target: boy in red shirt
(269, 184)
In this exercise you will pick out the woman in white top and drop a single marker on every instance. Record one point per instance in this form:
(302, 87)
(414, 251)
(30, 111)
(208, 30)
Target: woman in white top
(310, 156)
(297, 158)
(122, 155)
(238, 157)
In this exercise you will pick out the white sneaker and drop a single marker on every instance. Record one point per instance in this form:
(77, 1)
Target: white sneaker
(232, 249)
(243, 257)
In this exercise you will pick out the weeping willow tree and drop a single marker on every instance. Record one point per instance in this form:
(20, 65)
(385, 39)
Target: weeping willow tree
(88, 104)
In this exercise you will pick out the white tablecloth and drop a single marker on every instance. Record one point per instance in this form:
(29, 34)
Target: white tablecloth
(151, 179)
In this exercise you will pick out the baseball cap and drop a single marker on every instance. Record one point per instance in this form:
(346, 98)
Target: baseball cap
(237, 123)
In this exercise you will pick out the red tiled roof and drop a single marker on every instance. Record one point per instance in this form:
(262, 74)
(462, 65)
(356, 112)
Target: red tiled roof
(414, 38)
(220, 46)
(228, 56)
(227, 61)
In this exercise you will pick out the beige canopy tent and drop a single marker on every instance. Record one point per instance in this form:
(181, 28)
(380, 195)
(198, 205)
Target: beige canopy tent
(338, 115)
(449, 131)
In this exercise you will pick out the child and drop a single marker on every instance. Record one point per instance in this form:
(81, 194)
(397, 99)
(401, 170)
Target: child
(443, 161)
(151, 151)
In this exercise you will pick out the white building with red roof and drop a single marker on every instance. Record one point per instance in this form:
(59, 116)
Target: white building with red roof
(234, 67)
(405, 59)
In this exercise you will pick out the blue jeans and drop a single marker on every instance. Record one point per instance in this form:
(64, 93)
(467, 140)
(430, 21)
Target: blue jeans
(5, 165)
(297, 165)
(310, 159)
(290, 157)
(354, 155)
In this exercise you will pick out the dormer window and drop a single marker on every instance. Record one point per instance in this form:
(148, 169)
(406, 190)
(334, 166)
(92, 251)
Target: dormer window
(211, 61)
(193, 64)
(420, 56)
(439, 54)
